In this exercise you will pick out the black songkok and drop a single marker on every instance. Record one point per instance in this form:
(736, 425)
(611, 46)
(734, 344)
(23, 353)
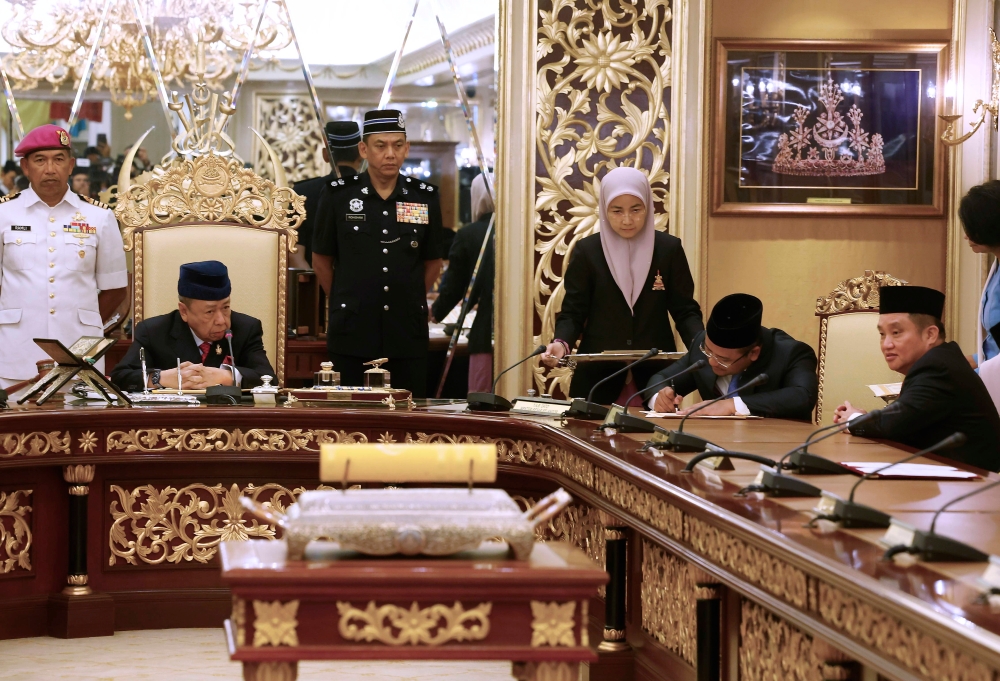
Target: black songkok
(735, 321)
(911, 300)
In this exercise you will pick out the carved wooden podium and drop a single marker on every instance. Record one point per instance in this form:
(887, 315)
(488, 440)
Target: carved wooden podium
(482, 606)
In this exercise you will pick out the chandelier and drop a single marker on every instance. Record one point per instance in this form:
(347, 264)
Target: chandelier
(193, 40)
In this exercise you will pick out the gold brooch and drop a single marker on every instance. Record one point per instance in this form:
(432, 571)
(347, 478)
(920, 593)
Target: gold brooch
(658, 282)
(218, 349)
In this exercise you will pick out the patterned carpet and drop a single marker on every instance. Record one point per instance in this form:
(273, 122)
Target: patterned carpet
(196, 655)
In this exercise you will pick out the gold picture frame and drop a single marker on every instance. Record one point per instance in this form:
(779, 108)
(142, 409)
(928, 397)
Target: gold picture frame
(772, 162)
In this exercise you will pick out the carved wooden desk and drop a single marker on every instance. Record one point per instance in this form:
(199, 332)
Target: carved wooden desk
(486, 607)
(111, 519)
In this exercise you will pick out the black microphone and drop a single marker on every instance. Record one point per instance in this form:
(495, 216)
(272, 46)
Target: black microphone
(934, 547)
(804, 463)
(226, 394)
(232, 355)
(491, 401)
(586, 409)
(633, 424)
(679, 441)
(851, 514)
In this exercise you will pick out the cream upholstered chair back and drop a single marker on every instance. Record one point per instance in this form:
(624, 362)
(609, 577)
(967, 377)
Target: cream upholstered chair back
(211, 208)
(850, 358)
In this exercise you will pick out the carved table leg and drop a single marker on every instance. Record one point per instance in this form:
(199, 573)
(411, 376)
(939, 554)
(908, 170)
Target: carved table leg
(270, 671)
(546, 671)
(78, 612)
(616, 564)
(709, 624)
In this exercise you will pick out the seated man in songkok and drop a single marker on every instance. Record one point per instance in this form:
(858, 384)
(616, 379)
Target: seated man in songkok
(736, 350)
(941, 393)
(215, 345)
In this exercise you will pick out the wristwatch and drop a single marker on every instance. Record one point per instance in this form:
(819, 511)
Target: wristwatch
(155, 379)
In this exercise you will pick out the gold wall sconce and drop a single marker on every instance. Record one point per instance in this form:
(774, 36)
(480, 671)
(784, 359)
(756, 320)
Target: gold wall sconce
(982, 108)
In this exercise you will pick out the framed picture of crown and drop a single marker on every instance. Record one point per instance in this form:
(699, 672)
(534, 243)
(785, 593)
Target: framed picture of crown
(810, 127)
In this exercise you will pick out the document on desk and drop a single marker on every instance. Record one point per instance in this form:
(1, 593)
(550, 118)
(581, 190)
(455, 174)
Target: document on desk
(662, 415)
(910, 471)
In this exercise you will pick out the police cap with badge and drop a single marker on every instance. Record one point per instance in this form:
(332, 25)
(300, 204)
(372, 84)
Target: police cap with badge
(342, 134)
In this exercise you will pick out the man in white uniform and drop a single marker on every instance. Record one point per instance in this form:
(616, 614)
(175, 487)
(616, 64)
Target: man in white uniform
(62, 263)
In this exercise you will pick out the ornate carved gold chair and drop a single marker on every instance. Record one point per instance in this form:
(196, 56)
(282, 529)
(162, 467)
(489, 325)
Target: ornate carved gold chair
(849, 355)
(204, 205)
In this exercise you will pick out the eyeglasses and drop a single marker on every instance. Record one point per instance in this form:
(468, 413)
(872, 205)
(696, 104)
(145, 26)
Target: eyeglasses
(724, 363)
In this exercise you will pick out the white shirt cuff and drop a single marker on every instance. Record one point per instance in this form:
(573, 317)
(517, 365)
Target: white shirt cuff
(238, 377)
(854, 416)
(741, 407)
(652, 402)
(108, 281)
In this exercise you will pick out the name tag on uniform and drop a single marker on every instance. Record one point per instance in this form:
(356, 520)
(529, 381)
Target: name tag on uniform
(20, 228)
(355, 218)
(412, 213)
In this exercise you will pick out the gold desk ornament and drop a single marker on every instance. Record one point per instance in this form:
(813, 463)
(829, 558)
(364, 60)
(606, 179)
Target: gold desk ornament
(377, 377)
(413, 521)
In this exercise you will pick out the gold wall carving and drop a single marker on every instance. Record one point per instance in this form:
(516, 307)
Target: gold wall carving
(87, 442)
(171, 525)
(916, 650)
(15, 531)
(669, 611)
(603, 71)
(239, 620)
(288, 123)
(209, 188)
(430, 626)
(552, 624)
(33, 444)
(772, 649)
(222, 440)
(274, 623)
(759, 567)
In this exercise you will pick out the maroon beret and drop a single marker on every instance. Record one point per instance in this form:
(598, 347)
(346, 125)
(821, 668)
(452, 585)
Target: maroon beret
(42, 138)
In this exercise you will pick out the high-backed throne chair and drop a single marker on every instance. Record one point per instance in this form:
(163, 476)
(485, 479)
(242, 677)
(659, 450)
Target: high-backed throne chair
(200, 203)
(850, 357)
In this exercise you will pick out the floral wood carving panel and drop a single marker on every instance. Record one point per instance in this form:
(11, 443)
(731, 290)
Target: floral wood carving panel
(668, 601)
(288, 123)
(771, 648)
(15, 531)
(156, 526)
(603, 73)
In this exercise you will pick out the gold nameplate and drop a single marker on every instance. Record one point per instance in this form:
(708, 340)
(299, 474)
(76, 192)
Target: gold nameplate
(824, 201)
(898, 534)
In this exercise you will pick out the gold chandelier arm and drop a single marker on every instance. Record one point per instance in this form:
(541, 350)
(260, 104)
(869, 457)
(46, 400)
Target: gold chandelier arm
(8, 94)
(241, 76)
(154, 63)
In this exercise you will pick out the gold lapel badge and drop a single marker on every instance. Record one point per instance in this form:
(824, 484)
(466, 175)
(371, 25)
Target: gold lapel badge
(658, 282)
(218, 349)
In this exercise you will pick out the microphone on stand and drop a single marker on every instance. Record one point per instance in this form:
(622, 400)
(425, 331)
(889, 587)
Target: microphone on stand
(679, 441)
(586, 409)
(491, 401)
(851, 514)
(804, 463)
(226, 394)
(232, 356)
(633, 424)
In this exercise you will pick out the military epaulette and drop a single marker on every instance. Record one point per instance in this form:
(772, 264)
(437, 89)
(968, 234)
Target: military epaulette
(9, 197)
(421, 184)
(99, 204)
(345, 181)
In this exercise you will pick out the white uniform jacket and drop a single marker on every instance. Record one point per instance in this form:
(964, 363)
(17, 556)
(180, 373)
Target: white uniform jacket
(53, 263)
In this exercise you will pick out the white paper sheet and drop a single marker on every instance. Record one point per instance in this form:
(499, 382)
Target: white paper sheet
(910, 470)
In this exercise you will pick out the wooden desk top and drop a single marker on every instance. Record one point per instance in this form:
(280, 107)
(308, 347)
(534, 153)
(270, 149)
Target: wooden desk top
(820, 581)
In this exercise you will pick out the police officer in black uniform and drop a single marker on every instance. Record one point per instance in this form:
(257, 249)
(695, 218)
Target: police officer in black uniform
(377, 250)
(343, 137)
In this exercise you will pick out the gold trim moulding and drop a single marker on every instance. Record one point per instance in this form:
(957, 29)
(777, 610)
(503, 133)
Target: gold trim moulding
(79, 490)
(15, 531)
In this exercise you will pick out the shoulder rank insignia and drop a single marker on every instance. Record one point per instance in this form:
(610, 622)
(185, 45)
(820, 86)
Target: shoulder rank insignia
(99, 204)
(9, 197)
